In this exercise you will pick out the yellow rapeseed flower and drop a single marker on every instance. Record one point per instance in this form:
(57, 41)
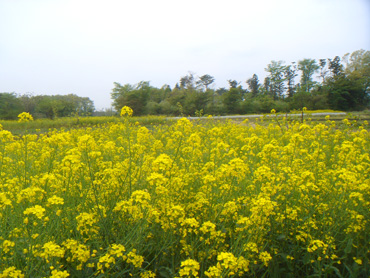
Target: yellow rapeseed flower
(134, 259)
(213, 272)
(36, 210)
(55, 200)
(189, 267)
(265, 257)
(126, 111)
(7, 246)
(11, 272)
(357, 261)
(59, 274)
(25, 117)
(51, 249)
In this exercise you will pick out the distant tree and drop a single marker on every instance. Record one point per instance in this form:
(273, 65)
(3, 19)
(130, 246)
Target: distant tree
(135, 101)
(323, 69)
(307, 67)
(166, 108)
(348, 88)
(28, 103)
(335, 66)
(118, 92)
(65, 105)
(233, 83)
(166, 88)
(152, 108)
(233, 97)
(253, 85)
(346, 94)
(300, 99)
(358, 68)
(83, 105)
(266, 86)
(174, 98)
(221, 91)
(232, 100)
(134, 96)
(344, 88)
(188, 82)
(194, 101)
(290, 75)
(159, 94)
(205, 81)
(10, 106)
(358, 60)
(263, 104)
(46, 106)
(276, 76)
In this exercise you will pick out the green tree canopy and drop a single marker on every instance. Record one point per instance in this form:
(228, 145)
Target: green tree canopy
(10, 106)
(253, 85)
(307, 67)
(276, 79)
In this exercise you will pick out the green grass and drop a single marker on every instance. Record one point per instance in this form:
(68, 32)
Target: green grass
(40, 126)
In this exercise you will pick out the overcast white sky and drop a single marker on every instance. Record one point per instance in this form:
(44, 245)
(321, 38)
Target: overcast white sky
(83, 46)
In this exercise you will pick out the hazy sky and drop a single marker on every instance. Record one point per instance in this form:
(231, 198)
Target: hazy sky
(83, 46)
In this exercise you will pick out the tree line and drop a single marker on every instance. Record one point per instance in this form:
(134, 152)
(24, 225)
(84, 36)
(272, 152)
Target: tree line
(44, 106)
(338, 84)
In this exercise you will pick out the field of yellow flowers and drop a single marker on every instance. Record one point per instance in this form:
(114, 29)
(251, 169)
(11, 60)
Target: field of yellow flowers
(190, 199)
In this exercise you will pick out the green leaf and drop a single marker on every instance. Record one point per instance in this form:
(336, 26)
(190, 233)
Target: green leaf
(348, 248)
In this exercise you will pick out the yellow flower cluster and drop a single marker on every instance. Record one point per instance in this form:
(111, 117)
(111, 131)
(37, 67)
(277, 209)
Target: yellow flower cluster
(59, 274)
(86, 223)
(50, 250)
(186, 199)
(11, 272)
(76, 252)
(117, 255)
(126, 111)
(25, 117)
(7, 246)
(189, 268)
(36, 210)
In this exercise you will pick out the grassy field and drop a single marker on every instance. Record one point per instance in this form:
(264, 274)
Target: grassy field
(151, 197)
(46, 125)
(40, 126)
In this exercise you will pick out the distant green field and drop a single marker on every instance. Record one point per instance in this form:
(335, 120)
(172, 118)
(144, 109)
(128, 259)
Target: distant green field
(44, 125)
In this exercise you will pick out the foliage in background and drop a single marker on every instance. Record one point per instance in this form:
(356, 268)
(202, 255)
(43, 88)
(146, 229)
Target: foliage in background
(44, 106)
(338, 84)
